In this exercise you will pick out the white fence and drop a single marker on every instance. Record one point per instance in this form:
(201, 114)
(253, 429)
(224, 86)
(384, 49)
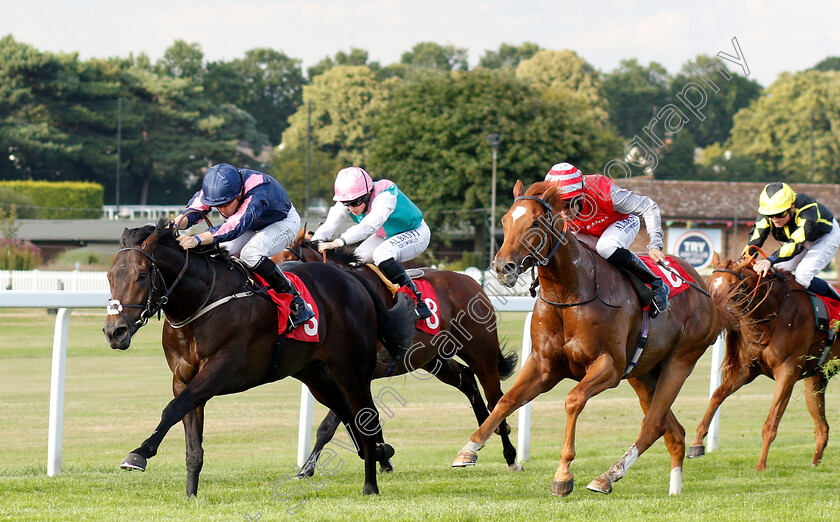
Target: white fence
(42, 280)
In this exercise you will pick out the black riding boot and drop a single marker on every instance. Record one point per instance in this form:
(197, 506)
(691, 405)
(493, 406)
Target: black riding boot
(397, 274)
(629, 261)
(277, 280)
(820, 287)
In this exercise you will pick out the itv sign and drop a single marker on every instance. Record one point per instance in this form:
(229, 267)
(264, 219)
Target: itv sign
(695, 247)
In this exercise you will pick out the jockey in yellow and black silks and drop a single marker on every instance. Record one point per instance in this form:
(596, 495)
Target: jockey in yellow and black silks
(807, 230)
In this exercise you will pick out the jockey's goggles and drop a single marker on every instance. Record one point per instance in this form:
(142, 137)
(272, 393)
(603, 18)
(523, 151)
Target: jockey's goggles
(356, 202)
(780, 215)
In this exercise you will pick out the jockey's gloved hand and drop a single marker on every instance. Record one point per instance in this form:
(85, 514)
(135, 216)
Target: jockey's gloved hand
(188, 242)
(329, 245)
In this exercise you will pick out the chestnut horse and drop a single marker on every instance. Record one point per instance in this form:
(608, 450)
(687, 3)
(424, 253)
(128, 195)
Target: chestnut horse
(468, 330)
(585, 327)
(777, 337)
(220, 336)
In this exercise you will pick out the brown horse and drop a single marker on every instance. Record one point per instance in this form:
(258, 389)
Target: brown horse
(220, 337)
(580, 332)
(468, 330)
(777, 337)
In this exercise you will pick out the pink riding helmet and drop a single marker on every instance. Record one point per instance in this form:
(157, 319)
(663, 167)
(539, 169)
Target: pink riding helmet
(352, 183)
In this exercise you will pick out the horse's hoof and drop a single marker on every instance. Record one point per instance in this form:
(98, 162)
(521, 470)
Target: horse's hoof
(515, 467)
(695, 452)
(600, 485)
(384, 452)
(133, 462)
(562, 488)
(465, 458)
(305, 472)
(370, 489)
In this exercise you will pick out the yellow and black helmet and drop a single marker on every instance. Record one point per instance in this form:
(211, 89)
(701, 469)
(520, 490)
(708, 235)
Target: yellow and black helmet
(775, 198)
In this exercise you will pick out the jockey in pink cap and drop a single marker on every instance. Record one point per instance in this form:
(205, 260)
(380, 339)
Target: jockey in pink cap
(388, 226)
(611, 214)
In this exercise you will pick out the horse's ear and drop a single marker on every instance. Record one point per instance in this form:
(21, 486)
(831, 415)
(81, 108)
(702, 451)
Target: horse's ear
(518, 189)
(150, 243)
(715, 259)
(549, 193)
(300, 235)
(122, 239)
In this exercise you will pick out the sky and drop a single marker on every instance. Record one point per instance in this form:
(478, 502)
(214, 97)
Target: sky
(774, 36)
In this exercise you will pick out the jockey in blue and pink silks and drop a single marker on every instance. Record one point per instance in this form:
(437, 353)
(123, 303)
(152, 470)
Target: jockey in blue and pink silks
(388, 226)
(260, 221)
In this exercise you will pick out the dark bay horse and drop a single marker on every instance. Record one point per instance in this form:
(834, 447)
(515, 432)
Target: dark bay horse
(468, 330)
(777, 337)
(585, 327)
(232, 347)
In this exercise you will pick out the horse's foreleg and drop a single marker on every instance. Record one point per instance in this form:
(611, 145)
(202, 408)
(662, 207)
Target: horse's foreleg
(206, 383)
(785, 375)
(325, 433)
(730, 383)
(193, 431)
(532, 381)
(815, 399)
(601, 375)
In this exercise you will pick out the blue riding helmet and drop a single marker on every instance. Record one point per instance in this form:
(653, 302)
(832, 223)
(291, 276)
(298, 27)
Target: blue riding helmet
(221, 184)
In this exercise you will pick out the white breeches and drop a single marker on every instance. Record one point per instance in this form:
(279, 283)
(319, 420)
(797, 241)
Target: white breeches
(251, 246)
(402, 247)
(815, 257)
(618, 235)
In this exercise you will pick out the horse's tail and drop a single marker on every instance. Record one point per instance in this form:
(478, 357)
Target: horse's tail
(394, 326)
(740, 329)
(507, 361)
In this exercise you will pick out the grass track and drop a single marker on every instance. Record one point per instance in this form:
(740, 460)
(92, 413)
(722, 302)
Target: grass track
(114, 400)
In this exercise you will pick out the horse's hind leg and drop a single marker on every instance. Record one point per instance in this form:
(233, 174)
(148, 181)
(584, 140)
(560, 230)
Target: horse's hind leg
(325, 433)
(785, 379)
(730, 383)
(815, 399)
(193, 431)
(488, 376)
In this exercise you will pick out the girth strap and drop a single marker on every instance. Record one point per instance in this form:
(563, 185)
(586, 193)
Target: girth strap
(640, 344)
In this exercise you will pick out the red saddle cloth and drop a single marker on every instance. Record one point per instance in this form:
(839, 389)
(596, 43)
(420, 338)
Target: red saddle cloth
(430, 325)
(833, 308)
(308, 331)
(675, 285)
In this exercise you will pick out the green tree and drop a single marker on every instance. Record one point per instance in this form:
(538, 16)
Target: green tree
(832, 63)
(676, 158)
(635, 93)
(777, 129)
(265, 83)
(508, 55)
(568, 78)
(354, 57)
(430, 55)
(734, 92)
(431, 138)
(183, 60)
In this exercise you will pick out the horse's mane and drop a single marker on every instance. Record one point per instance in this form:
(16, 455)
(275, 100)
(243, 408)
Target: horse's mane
(133, 237)
(342, 256)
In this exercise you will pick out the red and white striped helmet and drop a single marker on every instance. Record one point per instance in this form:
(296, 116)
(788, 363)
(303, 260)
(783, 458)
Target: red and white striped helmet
(568, 178)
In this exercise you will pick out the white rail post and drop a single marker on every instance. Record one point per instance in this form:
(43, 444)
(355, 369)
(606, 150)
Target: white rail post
(59, 365)
(525, 410)
(714, 382)
(307, 401)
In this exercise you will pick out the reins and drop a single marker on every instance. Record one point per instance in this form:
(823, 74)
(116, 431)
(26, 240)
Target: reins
(544, 260)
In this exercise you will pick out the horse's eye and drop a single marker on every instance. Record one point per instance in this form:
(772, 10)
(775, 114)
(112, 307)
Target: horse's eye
(142, 276)
(535, 225)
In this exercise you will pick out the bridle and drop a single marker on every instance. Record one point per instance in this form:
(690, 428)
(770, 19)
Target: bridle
(537, 260)
(152, 306)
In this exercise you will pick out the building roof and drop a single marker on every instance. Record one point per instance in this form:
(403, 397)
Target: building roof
(719, 200)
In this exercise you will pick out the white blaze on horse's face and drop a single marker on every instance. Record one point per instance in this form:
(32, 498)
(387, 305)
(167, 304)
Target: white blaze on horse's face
(518, 212)
(718, 282)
